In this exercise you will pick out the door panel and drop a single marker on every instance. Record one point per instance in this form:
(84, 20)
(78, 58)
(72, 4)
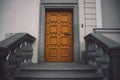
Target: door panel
(58, 36)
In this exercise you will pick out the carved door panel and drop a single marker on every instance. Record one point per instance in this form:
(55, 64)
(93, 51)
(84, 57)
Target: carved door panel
(58, 36)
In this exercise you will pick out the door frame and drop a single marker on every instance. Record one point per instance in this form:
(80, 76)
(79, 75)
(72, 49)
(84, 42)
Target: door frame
(76, 39)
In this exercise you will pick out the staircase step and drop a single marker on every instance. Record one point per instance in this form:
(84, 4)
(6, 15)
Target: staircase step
(57, 75)
(59, 67)
(57, 71)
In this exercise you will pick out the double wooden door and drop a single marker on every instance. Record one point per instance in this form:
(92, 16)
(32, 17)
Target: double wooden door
(59, 35)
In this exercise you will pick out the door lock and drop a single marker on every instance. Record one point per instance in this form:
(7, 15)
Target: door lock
(82, 25)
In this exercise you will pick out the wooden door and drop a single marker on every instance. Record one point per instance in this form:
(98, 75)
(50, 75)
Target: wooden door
(58, 36)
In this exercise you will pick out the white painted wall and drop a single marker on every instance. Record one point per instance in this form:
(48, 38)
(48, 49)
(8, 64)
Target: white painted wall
(111, 13)
(20, 16)
(98, 14)
(81, 21)
(111, 17)
(90, 10)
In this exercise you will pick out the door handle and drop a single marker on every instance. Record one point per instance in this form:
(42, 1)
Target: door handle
(67, 34)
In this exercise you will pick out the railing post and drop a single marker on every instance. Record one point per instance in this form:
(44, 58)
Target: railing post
(3, 54)
(115, 64)
(12, 54)
(108, 60)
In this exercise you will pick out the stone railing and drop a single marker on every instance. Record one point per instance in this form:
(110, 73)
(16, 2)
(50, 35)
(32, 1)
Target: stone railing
(15, 51)
(107, 30)
(103, 53)
(112, 33)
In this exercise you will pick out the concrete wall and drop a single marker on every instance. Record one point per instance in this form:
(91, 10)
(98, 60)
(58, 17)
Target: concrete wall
(20, 16)
(111, 13)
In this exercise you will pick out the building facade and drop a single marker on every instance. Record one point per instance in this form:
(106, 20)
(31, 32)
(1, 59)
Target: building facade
(58, 25)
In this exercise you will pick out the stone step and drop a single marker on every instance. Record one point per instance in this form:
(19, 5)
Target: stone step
(57, 75)
(59, 67)
(57, 71)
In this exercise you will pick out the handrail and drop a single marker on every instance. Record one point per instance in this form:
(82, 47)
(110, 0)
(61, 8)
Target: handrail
(106, 30)
(15, 51)
(104, 42)
(15, 40)
(104, 52)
